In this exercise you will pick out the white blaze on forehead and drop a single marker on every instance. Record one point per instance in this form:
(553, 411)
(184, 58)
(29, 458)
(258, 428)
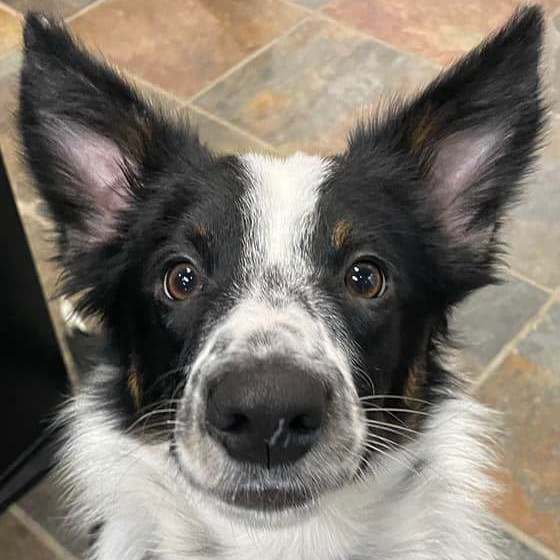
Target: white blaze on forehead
(280, 205)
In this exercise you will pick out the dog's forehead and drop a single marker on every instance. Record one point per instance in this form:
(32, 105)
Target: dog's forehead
(279, 208)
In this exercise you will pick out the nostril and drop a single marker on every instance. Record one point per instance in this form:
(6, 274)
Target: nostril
(235, 423)
(305, 423)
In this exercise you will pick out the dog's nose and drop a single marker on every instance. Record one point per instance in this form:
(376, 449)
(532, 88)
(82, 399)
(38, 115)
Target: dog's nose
(268, 414)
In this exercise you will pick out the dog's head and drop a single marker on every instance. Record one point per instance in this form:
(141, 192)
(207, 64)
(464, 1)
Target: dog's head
(278, 321)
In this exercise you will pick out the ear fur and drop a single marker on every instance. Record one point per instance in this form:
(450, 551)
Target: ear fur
(472, 135)
(94, 147)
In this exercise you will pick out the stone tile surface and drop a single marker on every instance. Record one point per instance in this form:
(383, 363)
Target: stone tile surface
(9, 73)
(440, 30)
(312, 3)
(526, 390)
(552, 61)
(533, 234)
(57, 7)
(491, 317)
(26, 195)
(219, 137)
(10, 31)
(43, 504)
(17, 542)
(308, 89)
(182, 45)
(516, 550)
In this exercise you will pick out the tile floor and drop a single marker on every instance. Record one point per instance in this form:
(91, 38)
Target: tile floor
(275, 75)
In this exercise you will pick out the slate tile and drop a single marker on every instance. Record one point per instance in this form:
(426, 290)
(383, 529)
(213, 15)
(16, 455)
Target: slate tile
(43, 504)
(219, 137)
(533, 233)
(312, 3)
(526, 390)
(308, 89)
(182, 45)
(9, 74)
(436, 29)
(514, 549)
(10, 31)
(492, 317)
(56, 7)
(17, 542)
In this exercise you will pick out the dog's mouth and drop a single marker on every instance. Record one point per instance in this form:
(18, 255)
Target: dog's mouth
(268, 497)
(261, 490)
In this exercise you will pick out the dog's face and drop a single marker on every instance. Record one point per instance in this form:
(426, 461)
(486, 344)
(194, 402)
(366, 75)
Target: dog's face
(277, 321)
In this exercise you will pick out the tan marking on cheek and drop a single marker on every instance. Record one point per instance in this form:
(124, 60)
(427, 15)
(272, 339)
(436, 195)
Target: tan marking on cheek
(415, 381)
(135, 387)
(341, 234)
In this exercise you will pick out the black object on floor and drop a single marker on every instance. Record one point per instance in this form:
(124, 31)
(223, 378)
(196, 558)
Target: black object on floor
(33, 379)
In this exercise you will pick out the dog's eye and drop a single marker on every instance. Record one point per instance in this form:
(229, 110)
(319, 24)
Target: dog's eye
(181, 281)
(365, 279)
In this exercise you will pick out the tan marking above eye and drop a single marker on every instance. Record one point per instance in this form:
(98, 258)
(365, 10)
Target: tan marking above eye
(341, 234)
(199, 230)
(413, 386)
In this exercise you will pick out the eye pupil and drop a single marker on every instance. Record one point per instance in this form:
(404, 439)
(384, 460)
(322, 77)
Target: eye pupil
(365, 279)
(181, 281)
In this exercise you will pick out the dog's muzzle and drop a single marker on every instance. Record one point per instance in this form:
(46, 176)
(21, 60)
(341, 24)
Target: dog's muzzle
(270, 417)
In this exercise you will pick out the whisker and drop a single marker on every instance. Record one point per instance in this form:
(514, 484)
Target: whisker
(145, 417)
(408, 411)
(373, 447)
(401, 430)
(400, 397)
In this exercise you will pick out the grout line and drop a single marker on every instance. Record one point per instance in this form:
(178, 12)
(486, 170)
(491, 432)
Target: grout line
(520, 276)
(10, 10)
(10, 52)
(320, 14)
(183, 104)
(527, 540)
(232, 127)
(247, 59)
(307, 9)
(41, 533)
(509, 346)
(85, 10)
(180, 101)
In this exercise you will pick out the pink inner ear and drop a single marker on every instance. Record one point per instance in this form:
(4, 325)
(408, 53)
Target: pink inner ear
(99, 164)
(461, 160)
(97, 167)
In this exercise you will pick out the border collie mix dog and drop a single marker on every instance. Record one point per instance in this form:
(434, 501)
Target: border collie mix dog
(274, 386)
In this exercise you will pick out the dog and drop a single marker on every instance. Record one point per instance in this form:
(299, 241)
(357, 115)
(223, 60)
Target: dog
(275, 382)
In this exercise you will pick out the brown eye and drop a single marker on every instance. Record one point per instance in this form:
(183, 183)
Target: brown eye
(364, 279)
(181, 281)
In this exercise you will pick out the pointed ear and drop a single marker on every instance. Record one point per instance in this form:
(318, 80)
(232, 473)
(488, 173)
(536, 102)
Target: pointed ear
(473, 134)
(88, 137)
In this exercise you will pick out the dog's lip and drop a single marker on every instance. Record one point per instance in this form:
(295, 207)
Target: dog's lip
(269, 497)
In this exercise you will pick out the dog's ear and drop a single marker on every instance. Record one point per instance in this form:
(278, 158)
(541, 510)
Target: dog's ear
(96, 149)
(472, 134)
(88, 137)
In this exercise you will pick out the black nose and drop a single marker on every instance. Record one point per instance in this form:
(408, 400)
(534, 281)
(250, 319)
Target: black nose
(270, 413)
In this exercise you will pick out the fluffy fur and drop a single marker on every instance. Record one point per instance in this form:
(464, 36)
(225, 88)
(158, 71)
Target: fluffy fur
(427, 502)
(335, 274)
